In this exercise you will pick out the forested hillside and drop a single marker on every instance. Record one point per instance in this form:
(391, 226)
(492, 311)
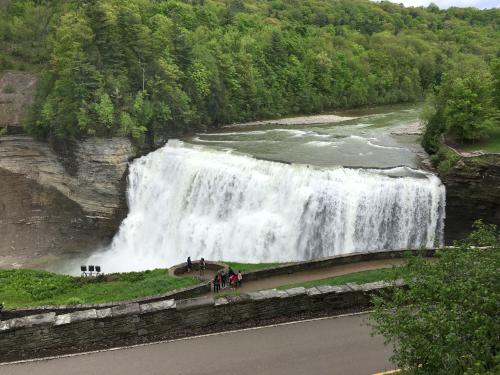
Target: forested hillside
(144, 67)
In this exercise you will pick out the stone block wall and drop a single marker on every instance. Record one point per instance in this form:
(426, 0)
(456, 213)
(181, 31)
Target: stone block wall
(50, 334)
(332, 261)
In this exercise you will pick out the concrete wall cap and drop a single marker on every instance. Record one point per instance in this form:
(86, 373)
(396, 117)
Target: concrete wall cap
(273, 293)
(256, 296)
(76, 316)
(104, 313)
(129, 309)
(354, 287)
(241, 298)
(221, 301)
(312, 291)
(374, 286)
(157, 306)
(186, 304)
(325, 289)
(295, 291)
(28, 321)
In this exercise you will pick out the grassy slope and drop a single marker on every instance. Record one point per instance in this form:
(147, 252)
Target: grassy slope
(23, 287)
(34, 287)
(492, 144)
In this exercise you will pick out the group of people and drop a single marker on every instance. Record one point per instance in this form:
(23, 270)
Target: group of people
(202, 265)
(224, 279)
(221, 279)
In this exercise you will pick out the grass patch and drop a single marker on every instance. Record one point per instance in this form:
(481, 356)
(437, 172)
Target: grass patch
(491, 144)
(24, 287)
(243, 267)
(445, 159)
(361, 277)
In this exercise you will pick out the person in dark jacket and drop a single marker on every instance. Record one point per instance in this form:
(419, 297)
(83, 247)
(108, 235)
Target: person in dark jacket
(189, 264)
(216, 283)
(223, 279)
(202, 266)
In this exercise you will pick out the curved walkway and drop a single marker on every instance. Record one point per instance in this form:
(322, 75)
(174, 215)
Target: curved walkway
(335, 346)
(317, 274)
(310, 275)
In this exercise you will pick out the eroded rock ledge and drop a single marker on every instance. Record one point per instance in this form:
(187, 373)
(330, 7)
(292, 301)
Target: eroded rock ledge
(472, 192)
(45, 211)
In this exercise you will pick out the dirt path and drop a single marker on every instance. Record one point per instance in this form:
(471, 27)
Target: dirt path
(303, 276)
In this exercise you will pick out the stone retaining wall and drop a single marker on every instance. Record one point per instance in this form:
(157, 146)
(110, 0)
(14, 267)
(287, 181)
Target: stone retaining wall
(337, 260)
(49, 334)
(183, 293)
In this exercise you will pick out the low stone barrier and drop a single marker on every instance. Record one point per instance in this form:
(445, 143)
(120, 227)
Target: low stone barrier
(336, 260)
(182, 293)
(50, 334)
(181, 269)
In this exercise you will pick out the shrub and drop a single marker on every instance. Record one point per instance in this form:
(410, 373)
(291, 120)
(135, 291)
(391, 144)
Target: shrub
(447, 320)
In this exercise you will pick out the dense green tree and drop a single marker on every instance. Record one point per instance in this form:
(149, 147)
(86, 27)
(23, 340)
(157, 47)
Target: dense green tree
(205, 63)
(465, 106)
(447, 320)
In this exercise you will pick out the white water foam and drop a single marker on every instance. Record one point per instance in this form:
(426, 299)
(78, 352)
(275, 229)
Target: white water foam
(189, 200)
(322, 144)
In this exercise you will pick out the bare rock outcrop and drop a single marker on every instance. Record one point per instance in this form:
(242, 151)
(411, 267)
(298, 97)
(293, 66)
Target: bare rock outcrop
(472, 192)
(45, 211)
(16, 95)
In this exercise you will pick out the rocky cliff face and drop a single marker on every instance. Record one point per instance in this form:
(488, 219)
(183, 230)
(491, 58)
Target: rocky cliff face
(472, 192)
(16, 95)
(47, 212)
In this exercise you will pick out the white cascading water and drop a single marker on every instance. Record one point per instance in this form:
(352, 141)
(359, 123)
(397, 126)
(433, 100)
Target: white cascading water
(188, 200)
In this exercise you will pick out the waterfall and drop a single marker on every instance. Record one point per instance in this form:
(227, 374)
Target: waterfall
(193, 201)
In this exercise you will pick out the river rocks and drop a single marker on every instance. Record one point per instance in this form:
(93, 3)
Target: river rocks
(472, 192)
(45, 211)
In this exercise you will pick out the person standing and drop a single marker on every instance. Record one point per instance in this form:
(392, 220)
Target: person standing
(202, 266)
(219, 281)
(223, 279)
(216, 283)
(233, 280)
(189, 264)
(240, 278)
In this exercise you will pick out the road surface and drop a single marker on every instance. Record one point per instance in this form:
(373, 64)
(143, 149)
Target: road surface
(341, 345)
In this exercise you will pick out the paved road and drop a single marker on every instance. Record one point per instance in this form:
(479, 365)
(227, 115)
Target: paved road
(331, 346)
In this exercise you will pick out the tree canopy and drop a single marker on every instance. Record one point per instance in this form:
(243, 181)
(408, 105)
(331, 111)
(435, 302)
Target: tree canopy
(447, 321)
(466, 104)
(146, 67)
